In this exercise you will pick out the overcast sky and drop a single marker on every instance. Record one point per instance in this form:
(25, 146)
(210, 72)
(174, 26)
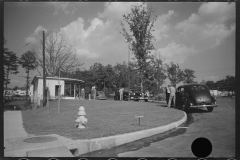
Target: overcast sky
(199, 36)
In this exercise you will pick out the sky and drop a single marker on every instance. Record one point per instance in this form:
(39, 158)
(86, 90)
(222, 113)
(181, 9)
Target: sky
(195, 35)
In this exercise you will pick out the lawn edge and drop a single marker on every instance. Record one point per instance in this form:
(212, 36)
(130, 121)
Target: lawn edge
(86, 146)
(79, 147)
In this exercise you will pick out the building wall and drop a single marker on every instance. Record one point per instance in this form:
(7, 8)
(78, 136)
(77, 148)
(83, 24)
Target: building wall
(50, 83)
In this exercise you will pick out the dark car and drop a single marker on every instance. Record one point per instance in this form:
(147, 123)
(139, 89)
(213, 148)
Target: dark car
(136, 95)
(101, 95)
(194, 96)
(125, 95)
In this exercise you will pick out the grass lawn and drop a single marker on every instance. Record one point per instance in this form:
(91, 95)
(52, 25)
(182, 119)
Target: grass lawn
(105, 118)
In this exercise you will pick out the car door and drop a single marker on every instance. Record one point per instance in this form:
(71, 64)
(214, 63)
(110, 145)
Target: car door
(178, 96)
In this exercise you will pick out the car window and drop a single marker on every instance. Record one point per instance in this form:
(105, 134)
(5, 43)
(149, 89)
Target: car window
(198, 88)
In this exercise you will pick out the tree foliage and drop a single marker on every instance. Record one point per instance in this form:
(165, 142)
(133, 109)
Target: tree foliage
(174, 73)
(10, 64)
(28, 62)
(140, 23)
(59, 54)
(188, 76)
(154, 75)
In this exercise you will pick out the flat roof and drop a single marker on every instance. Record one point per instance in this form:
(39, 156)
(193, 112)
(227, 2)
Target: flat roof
(57, 78)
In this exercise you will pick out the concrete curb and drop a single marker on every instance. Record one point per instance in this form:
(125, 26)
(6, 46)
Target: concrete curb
(82, 147)
(78, 147)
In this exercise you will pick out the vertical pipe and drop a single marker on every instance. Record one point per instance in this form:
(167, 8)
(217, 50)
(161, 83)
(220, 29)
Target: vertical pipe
(128, 72)
(59, 90)
(44, 78)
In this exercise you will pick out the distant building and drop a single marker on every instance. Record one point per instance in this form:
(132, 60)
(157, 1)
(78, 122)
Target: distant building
(8, 91)
(69, 88)
(19, 92)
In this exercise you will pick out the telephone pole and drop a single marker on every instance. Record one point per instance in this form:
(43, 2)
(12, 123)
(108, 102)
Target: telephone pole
(44, 78)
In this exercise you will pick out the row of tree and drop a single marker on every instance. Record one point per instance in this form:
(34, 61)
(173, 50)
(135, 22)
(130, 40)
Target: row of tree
(226, 84)
(110, 78)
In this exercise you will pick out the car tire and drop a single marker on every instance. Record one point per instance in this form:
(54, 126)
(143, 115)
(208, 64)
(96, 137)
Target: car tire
(210, 109)
(146, 100)
(185, 108)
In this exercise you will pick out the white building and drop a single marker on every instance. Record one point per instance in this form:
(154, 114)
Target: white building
(69, 88)
(20, 92)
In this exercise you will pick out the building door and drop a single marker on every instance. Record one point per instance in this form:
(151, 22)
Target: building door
(56, 90)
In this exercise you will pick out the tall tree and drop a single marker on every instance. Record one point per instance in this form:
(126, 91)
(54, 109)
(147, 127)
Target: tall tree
(29, 62)
(174, 73)
(10, 64)
(188, 76)
(141, 23)
(155, 75)
(59, 54)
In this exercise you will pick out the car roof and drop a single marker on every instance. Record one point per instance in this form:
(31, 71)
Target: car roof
(190, 85)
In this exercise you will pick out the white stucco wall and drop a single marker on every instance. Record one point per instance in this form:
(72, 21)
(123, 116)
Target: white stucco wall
(50, 83)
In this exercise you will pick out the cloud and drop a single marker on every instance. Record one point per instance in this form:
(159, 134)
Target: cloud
(161, 26)
(90, 42)
(35, 35)
(208, 28)
(65, 7)
(177, 53)
(115, 10)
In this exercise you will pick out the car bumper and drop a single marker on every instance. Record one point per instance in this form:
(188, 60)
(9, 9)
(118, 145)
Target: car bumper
(203, 105)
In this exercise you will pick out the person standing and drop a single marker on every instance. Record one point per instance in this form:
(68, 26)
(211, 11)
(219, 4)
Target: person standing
(167, 93)
(94, 93)
(83, 94)
(147, 94)
(172, 96)
(121, 94)
(91, 97)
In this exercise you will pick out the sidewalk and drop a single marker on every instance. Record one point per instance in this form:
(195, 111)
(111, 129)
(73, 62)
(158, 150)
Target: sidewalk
(16, 145)
(13, 126)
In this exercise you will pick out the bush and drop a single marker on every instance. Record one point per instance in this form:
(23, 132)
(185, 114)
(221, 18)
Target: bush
(160, 97)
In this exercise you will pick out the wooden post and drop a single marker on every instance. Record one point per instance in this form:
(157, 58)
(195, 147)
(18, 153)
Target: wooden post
(48, 99)
(44, 78)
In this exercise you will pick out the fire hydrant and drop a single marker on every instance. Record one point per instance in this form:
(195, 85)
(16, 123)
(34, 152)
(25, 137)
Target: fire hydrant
(81, 120)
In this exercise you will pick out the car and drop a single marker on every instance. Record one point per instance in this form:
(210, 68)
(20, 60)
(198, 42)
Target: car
(136, 95)
(101, 95)
(194, 96)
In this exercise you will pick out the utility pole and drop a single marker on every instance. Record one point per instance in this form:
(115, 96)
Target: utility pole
(27, 87)
(44, 78)
(128, 72)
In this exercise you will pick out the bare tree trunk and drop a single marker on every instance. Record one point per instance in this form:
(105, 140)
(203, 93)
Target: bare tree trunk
(6, 83)
(27, 86)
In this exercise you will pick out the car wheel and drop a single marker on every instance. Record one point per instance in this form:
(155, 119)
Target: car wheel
(210, 109)
(185, 108)
(146, 100)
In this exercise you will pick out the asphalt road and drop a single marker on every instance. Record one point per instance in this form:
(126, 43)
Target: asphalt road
(217, 126)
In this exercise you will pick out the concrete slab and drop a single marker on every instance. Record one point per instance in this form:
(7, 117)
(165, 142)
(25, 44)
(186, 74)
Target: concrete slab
(18, 147)
(61, 151)
(13, 126)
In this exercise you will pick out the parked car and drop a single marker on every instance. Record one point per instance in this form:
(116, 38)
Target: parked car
(101, 95)
(136, 95)
(194, 96)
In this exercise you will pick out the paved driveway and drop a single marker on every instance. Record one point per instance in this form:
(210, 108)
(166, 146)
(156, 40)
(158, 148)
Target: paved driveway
(218, 126)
